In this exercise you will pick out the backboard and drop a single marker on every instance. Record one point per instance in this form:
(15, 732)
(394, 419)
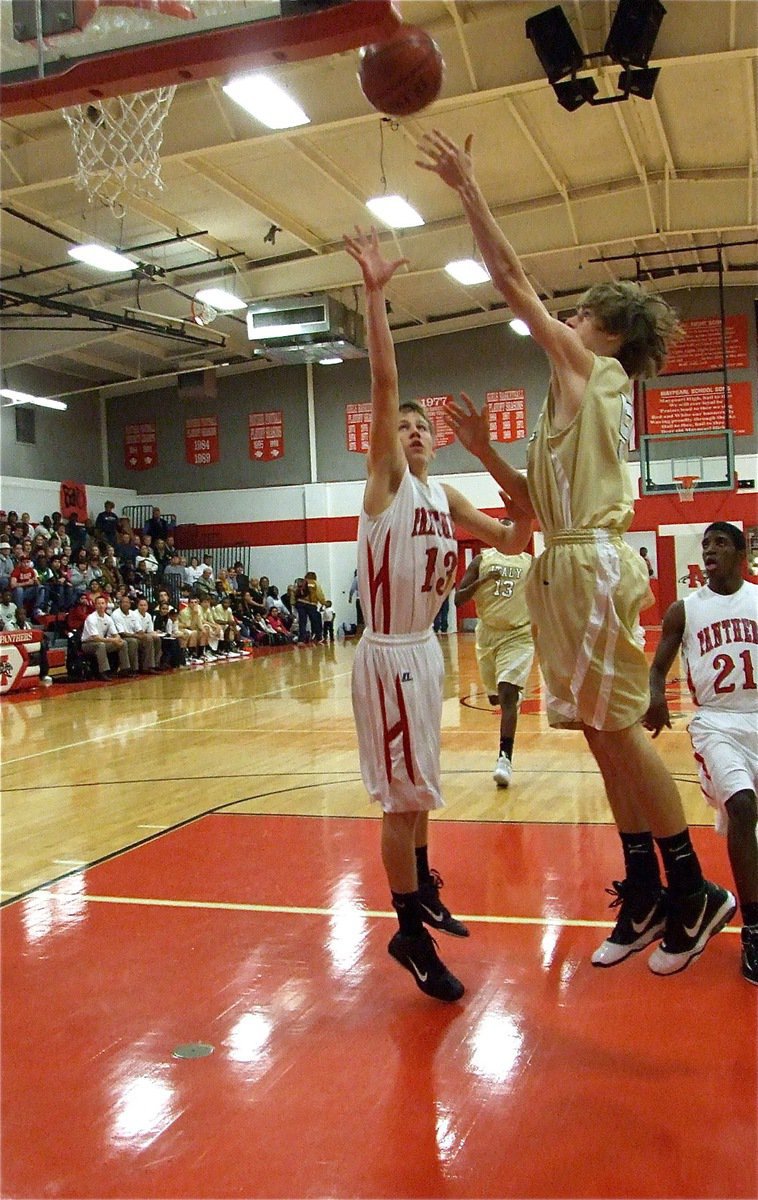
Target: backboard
(706, 457)
(90, 49)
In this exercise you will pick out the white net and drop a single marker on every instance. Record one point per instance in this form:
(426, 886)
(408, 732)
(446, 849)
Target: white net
(117, 142)
(685, 486)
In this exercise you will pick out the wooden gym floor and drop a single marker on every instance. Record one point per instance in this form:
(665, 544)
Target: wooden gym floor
(190, 861)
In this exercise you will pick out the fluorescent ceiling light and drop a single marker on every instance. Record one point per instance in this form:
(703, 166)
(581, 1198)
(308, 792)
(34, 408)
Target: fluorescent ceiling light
(219, 299)
(102, 258)
(520, 327)
(467, 271)
(395, 212)
(25, 398)
(265, 101)
(328, 362)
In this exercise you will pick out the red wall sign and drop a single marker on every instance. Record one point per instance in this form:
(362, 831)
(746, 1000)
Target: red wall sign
(140, 447)
(265, 436)
(358, 427)
(686, 409)
(507, 411)
(73, 499)
(201, 440)
(433, 407)
(701, 347)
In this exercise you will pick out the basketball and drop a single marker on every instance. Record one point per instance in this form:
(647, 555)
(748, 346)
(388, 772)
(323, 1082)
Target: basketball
(402, 75)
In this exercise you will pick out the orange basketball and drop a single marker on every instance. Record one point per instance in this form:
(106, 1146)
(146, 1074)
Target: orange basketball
(402, 75)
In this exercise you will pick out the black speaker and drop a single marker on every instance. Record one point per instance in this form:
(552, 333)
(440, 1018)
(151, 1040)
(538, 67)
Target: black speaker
(554, 43)
(634, 30)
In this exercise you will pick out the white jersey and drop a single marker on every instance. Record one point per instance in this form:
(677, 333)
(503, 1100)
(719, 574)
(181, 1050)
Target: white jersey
(407, 558)
(720, 651)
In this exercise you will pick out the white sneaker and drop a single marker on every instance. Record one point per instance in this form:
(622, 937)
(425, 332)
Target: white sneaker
(503, 771)
(46, 681)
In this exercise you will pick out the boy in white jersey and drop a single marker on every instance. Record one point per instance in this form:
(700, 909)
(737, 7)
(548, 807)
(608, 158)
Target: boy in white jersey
(586, 591)
(504, 646)
(716, 628)
(407, 559)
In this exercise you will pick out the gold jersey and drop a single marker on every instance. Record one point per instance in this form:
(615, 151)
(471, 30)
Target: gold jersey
(577, 476)
(501, 600)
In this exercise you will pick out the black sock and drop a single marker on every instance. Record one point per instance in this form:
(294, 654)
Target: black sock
(680, 862)
(750, 913)
(422, 865)
(640, 859)
(408, 912)
(506, 747)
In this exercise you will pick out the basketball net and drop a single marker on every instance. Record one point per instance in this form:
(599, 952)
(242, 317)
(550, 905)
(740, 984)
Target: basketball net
(117, 143)
(685, 486)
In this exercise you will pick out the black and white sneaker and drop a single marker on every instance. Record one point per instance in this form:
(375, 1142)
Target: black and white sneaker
(419, 956)
(749, 936)
(641, 920)
(690, 924)
(433, 911)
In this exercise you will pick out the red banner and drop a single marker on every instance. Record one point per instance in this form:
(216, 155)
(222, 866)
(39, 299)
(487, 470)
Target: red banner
(265, 436)
(689, 409)
(433, 407)
(507, 410)
(140, 447)
(15, 669)
(358, 427)
(701, 348)
(73, 499)
(201, 440)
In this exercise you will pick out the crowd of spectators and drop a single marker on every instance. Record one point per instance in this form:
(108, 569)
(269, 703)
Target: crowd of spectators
(136, 604)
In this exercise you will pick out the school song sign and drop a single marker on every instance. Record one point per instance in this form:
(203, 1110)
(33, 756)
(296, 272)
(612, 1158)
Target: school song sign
(201, 440)
(507, 414)
(690, 409)
(265, 434)
(140, 446)
(702, 347)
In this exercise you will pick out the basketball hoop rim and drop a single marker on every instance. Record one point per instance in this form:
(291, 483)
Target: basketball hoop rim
(685, 486)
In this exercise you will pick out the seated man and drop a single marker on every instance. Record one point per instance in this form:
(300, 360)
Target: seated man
(148, 640)
(213, 630)
(206, 586)
(101, 638)
(224, 617)
(189, 623)
(173, 639)
(24, 584)
(122, 619)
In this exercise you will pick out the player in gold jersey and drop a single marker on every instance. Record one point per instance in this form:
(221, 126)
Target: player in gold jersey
(585, 592)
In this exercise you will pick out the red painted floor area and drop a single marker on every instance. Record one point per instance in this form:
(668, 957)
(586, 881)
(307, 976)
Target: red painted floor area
(331, 1074)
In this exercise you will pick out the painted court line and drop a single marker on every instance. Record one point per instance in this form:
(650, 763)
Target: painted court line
(302, 910)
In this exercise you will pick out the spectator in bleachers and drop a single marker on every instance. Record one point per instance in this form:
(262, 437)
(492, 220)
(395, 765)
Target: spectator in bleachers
(142, 582)
(24, 585)
(223, 584)
(82, 573)
(242, 577)
(100, 639)
(257, 601)
(44, 529)
(126, 550)
(7, 563)
(106, 523)
(7, 607)
(44, 577)
(62, 531)
(173, 576)
(77, 534)
(275, 622)
(274, 603)
(171, 547)
(60, 591)
(156, 526)
(193, 572)
(190, 622)
(122, 619)
(208, 562)
(147, 556)
(162, 555)
(111, 573)
(205, 586)
(54, 547)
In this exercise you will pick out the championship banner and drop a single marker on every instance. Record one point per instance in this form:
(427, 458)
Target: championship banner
(201, 440)
(357, 427)
(692, 409)
(16, 671)
(701, 348)
(434, 408)
(140, 446)
(265, 434)
(73, 499)
(507, 411)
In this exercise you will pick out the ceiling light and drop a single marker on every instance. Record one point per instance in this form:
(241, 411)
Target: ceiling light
(328, 362)
(265, 101)
(25, 398)
(219, 299)
(395, 212)
(520, 327)
(467, 271)
(102, 258)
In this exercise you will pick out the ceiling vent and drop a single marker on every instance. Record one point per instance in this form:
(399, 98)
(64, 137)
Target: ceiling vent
(298, 329)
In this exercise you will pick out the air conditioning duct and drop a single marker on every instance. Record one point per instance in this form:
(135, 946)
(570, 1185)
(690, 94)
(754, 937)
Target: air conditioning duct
(297, 329)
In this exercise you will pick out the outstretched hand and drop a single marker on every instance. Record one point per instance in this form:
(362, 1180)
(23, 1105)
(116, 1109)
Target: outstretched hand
(472, 428)
(375, 268)
(441, 154)
(656, 717)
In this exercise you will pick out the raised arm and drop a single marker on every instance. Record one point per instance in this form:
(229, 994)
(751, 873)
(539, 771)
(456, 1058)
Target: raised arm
(473, 431)
(386, 461)
(672, 632)
(455, 168)
(508, 539)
